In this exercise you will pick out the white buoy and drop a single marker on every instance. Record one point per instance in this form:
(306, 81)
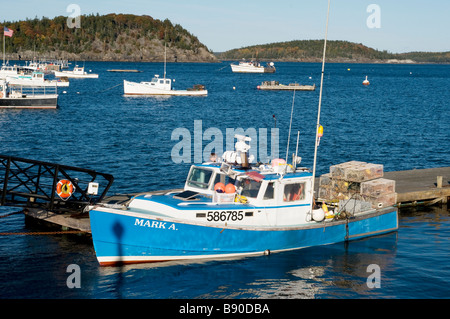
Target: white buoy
(366, 82)
(318, 215)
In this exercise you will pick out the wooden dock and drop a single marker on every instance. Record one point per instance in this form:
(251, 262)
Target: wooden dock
(413, 187)
(421, 186)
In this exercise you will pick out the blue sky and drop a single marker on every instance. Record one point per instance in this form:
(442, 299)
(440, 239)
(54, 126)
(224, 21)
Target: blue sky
(405, 26)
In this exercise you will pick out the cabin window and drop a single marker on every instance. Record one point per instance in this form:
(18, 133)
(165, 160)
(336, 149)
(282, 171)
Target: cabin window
(269, 191)
(225, 179)
(199, 177)
(167, 81)
(161, 81)
(294, 192)
(250, 188)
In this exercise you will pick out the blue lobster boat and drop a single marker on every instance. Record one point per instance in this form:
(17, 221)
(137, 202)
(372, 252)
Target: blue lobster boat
(231, 208)
(228, 210)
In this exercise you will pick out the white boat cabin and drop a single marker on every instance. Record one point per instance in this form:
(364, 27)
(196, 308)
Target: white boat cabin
(158, 83)
(261, 186)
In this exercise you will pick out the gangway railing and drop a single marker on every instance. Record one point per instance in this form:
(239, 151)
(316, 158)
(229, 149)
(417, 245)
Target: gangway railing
(50, 186)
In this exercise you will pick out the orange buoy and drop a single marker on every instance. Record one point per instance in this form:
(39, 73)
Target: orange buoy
(64, 188)
(230, 189)
(219, 187)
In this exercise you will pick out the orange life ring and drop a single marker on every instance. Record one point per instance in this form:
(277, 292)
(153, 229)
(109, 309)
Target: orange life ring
(64, 188)
(1, 94)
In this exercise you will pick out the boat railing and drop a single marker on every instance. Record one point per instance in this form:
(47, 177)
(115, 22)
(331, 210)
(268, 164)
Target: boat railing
(29, 91)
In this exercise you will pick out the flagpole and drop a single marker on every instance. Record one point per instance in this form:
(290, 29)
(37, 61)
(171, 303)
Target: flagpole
(318, 112)
(3, 46)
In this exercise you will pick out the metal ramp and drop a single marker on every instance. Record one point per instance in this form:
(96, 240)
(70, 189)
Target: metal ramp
(34, 184)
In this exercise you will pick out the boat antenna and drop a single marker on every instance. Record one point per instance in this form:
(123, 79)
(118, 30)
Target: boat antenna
(320, 104)
(290, 125)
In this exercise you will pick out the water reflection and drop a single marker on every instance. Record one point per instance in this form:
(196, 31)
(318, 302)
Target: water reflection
(315, 272)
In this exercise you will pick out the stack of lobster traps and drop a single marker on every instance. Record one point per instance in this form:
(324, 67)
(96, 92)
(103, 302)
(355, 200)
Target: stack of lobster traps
(358, 182)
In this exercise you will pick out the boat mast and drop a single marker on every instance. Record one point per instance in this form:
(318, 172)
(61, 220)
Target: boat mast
(320, 104)
(165, 51)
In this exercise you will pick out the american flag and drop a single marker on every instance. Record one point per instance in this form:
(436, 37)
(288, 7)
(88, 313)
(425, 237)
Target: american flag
(7, 32)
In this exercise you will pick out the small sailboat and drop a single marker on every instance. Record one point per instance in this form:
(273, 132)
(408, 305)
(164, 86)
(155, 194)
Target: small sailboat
(366, 81)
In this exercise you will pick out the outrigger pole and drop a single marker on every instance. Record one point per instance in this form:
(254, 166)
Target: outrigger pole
(318, 111)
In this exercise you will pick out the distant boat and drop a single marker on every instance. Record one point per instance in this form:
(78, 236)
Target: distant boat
(160, 86)
(253, 66)
(12, 70)
(78, 72)
(36, 79)
(366, 82)
(275, 85)
(27, 97)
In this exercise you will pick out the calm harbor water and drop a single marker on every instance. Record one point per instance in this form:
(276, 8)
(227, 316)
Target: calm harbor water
(400, 121)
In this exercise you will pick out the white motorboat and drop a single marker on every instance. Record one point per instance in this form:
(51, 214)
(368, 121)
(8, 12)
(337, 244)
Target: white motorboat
(11, 70)
(37, 79)
(253, 66)
(78, 72)
(160, 86)
(26, 97)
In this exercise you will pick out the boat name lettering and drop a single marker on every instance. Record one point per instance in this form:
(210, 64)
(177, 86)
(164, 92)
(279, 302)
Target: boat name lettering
(153, 224)
(225, 215)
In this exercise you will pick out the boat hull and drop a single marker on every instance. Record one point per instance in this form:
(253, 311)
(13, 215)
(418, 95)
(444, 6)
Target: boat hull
(126, 237)
(246, 69)
(75, 75)
(36, 102)
(134, 88)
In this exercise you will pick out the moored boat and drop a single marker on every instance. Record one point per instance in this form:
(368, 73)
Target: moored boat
(160, 86)
(276, 86)
(253, 66)
(229, 209)
(232, 208)
(77, 72)
(37, 79)
(27, 97)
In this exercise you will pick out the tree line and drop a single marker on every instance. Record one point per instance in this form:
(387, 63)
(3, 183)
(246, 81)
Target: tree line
(336, 49)
(43, 35)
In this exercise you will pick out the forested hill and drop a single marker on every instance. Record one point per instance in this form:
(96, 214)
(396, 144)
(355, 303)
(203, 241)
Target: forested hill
(337, 51)
(112, 37)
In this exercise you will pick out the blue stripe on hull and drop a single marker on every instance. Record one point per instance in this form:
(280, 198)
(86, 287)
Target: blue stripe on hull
(137, 239)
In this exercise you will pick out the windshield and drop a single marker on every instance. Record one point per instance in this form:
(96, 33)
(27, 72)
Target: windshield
(250, 188)
(199, 177)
